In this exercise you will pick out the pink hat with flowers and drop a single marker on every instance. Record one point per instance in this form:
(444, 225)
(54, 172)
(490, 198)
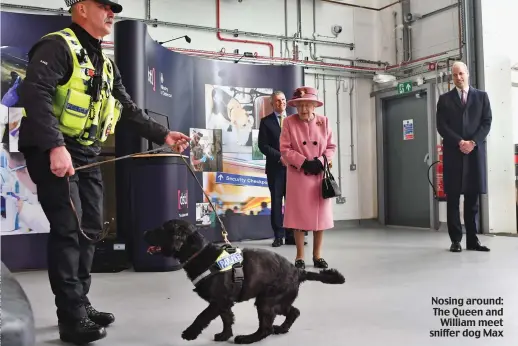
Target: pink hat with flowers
(305, 94)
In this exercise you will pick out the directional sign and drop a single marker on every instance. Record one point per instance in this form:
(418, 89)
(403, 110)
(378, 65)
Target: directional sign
(241, 180)
(404, 87)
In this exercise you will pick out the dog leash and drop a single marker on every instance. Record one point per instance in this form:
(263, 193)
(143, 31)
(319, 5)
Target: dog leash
(224, 232)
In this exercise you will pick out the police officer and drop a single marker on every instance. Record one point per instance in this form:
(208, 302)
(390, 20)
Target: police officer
(73, 98)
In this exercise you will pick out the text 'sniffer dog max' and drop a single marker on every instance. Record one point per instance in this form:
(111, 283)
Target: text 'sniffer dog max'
(225, 275)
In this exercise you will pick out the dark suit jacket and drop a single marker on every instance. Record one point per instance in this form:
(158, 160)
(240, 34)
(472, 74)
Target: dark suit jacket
(455, 122)
(269, 138)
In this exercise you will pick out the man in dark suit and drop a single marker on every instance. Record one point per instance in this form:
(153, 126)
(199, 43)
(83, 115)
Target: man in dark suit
(464, 121)
(269, 138)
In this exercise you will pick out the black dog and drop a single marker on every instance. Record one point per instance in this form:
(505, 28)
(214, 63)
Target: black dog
(253, 273)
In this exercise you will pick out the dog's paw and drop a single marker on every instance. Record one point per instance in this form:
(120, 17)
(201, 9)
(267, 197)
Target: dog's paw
(242, 339)
(190, 334)
(223, 336)
(279, 330)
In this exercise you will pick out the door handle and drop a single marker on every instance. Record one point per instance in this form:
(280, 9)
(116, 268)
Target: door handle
(427, 158)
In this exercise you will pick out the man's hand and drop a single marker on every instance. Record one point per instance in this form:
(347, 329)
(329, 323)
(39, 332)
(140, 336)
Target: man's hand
(284, 163)
(466, 146)
(61, 162)
(177, 141)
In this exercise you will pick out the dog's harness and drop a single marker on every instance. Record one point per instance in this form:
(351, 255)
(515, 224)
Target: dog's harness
(230, 258)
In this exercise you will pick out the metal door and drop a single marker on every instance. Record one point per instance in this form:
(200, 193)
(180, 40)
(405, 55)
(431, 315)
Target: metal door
(407, 191)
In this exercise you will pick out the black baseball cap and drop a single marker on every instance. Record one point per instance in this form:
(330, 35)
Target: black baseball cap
(114, 4)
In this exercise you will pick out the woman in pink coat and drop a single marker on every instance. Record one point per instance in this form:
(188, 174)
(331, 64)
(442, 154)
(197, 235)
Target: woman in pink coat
(305, 138)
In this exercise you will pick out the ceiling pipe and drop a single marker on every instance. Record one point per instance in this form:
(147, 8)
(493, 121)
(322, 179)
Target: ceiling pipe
(352, 166)
(312, 46)
(299, 18)
(407, 32)
(339, 145)
(461, 24)
(363, 7)
(353, 60)
(155, 23)
(287, 49)
(258, 59)
(433, 13)
(313, 64)
(148, 9)
(221, 38)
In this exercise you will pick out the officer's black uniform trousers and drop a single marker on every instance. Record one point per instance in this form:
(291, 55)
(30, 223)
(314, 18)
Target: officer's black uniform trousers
(70, 254)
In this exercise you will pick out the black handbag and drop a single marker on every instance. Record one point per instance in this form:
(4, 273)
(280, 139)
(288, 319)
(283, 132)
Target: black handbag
(330, 188)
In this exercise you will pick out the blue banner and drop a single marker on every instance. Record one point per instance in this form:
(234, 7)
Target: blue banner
(241, 180)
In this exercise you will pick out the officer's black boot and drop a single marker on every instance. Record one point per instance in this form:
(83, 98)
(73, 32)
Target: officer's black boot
(81, 332)
(103, 319)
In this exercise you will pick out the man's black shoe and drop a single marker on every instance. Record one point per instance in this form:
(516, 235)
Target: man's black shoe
(82, 332)
(455, 247)
(478, 247)
(277, 242)
(103, 319)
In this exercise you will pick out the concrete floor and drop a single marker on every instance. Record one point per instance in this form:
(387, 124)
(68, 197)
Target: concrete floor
(392, 275)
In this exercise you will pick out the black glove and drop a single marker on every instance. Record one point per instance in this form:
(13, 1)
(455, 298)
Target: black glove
(313, 166)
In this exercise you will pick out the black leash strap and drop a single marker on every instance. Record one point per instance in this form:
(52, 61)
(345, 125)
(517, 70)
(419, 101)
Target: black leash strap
(224, 232)
(153, 151)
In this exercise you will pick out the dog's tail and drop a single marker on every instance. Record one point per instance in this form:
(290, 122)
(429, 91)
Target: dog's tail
(327, 276)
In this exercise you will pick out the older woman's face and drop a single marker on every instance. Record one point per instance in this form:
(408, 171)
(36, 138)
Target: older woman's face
(305, 109)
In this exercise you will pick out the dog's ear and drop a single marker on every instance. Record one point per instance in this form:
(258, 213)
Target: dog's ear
(178, 235)
(169, 226)
(187, 225)
(154, 236)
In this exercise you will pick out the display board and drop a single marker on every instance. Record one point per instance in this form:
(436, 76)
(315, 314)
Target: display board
(221, 104)
(23, 225)
(225, 101)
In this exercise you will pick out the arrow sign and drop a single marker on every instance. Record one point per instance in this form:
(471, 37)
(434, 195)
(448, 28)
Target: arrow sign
(404, 87)
(241, 180)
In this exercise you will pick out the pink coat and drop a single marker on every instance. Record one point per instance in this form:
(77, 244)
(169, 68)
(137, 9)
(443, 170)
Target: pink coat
(300, 140)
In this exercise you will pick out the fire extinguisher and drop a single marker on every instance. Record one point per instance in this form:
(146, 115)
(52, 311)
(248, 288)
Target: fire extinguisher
(438, 188)
(441, 196)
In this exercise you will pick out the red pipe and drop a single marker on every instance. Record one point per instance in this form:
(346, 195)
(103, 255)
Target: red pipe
(218, 34)
(363, 7)
(390, 67)
(206, 53)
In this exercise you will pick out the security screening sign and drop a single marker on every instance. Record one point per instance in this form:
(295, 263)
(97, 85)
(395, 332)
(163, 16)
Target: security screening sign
(242, 180)
(408, 129)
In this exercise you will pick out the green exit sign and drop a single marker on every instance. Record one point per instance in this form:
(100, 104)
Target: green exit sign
(404, 87)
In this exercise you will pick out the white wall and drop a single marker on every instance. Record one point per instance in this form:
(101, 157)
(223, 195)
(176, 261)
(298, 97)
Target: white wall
(372, 32)
(499, 26)
(515, 104)
(431, 35)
